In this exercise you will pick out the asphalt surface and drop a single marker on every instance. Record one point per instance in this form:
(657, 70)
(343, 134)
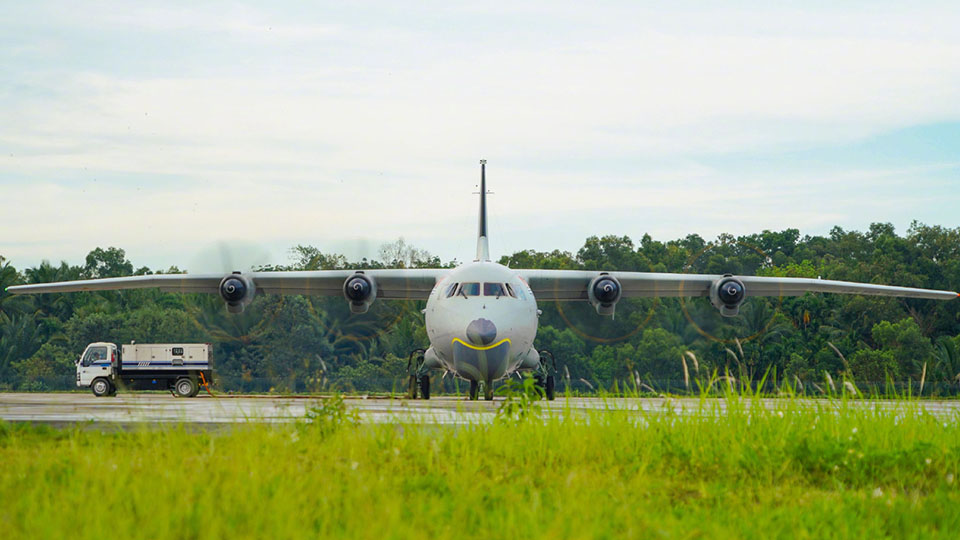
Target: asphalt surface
(132, 409)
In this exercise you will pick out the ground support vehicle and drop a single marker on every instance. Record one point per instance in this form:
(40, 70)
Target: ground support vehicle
(181, 368)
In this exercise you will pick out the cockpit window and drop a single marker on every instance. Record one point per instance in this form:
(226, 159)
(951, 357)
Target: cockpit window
(452, 289)
(494, 289)
(520, 294)
(510, 290)
(469, 289)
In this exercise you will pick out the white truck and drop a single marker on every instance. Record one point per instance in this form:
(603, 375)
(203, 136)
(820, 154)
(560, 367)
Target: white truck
(181, 368)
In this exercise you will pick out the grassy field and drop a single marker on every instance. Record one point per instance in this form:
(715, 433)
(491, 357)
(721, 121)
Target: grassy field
(806, 470)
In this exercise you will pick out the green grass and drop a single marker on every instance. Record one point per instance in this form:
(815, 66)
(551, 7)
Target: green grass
(826, 469)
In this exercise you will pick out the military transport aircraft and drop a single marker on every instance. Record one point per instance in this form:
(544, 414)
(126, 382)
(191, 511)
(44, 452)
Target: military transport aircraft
(481, 317)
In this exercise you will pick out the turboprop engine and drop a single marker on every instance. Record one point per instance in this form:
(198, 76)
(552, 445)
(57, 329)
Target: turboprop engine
(237, 291)
(360, 290)
(604, 292)
(726, 294)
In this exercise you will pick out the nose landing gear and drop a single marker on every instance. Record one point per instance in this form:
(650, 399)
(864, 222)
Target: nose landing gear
(475, 390)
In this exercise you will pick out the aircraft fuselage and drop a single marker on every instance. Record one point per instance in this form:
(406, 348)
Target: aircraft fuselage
(481, 320)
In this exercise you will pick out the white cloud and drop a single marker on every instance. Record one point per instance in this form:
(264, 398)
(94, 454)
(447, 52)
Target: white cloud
(372, 129)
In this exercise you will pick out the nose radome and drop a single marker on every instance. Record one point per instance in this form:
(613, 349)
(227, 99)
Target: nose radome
(481, 332)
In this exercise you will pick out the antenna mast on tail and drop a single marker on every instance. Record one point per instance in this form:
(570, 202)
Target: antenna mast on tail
(483, 248)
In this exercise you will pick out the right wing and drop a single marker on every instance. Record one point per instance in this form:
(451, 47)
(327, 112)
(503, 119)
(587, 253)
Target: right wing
(574, 284)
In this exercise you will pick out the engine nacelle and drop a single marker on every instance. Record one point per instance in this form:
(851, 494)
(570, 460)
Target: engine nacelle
(360, 290)
(237, 291)
(726, 294)
(604, 292)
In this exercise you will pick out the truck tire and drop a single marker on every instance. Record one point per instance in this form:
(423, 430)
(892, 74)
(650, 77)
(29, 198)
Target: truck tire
(185, 387)
(100, 387)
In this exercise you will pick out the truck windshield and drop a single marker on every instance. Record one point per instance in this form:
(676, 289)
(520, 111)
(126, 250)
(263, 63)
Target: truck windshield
(95, 355)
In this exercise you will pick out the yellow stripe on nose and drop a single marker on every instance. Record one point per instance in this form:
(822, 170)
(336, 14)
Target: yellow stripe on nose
(476, 348)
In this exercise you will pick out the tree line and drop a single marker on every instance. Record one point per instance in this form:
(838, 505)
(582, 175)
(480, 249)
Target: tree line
(305, 343)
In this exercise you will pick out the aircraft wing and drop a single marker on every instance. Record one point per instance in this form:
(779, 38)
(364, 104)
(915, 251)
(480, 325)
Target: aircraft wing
(573, 285)
(399, 284)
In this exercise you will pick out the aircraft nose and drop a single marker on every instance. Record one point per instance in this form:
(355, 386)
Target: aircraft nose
(481, 332)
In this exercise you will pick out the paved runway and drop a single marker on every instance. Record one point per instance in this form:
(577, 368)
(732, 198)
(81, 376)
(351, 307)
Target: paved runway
(151, 408)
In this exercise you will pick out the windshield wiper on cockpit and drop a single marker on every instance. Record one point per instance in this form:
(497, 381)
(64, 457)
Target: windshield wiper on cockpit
(461, 293)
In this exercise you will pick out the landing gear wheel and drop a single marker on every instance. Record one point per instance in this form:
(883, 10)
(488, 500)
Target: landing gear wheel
(550, 388)
(425, 386)
(539, 385)
(100, 387)
(414, 363)
(488, 391)
(186, 387)
(474, 390)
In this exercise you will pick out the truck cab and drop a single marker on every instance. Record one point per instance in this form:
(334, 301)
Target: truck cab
(99, 360)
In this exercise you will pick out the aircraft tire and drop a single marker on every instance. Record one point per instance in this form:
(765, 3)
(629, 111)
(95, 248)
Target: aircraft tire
(474, 390)
(425, 387)
(550, 388)
(488, 392)
(539, 386)
(412, 387)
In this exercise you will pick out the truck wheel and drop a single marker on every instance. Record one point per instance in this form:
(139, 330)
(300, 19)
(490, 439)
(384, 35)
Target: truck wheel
(185, 387)
(100, 387)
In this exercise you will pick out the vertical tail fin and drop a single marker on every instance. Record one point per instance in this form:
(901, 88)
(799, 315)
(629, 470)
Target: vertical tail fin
(483, 248)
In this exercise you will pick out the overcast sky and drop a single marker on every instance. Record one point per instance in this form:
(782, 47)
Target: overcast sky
(167, 129)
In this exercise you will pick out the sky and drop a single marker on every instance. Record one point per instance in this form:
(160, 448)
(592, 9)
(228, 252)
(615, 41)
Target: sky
(173, 129)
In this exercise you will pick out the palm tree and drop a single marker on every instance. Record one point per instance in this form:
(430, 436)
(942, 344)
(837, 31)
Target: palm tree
(11, 304)
(947, 360)
(60, 306)
(19, 339)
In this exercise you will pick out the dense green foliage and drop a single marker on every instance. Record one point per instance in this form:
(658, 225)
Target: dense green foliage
(814, 469)
(304, 343)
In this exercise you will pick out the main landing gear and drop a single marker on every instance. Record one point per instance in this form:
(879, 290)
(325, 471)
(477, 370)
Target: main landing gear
(545, 379)
(418, 378)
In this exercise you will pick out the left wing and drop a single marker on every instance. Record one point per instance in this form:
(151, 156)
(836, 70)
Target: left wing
(360, 287)
(391, 284)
